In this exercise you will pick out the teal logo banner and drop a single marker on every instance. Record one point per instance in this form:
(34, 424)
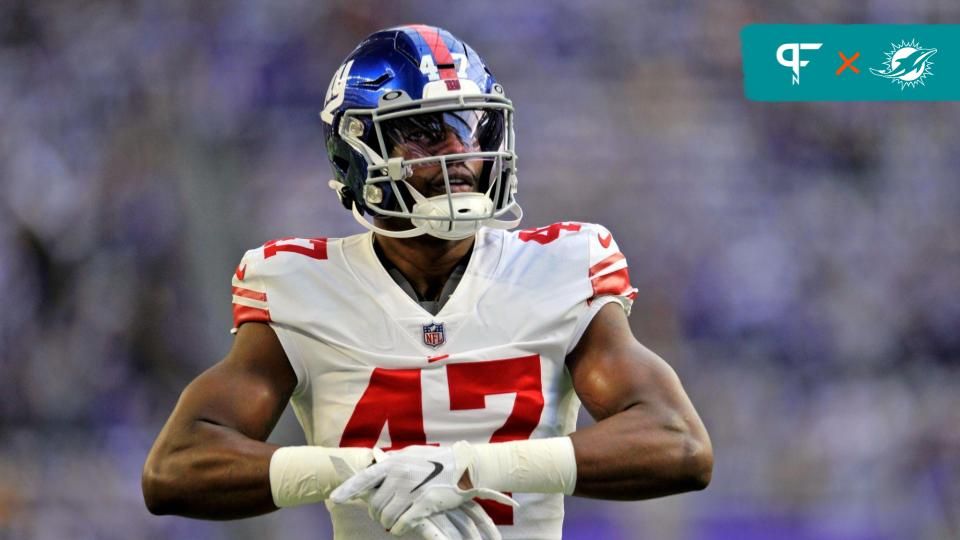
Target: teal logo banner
(851, 62)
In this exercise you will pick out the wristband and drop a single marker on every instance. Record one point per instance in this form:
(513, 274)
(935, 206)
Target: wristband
(531, 466)
(307, 474)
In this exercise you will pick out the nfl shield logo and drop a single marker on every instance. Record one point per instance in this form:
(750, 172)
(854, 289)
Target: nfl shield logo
(433, 335)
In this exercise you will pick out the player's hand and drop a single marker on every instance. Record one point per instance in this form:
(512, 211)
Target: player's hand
(469, 522)
(436, 501)
(416, 483)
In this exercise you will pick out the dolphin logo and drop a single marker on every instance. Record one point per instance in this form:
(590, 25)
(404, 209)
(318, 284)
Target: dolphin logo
(907, 63)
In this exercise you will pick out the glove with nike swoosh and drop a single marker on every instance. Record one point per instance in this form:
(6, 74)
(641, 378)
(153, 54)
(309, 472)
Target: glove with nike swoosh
(416, 483)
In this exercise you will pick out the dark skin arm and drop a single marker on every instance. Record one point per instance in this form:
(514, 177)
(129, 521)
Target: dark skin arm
(210, 460)
(648, 440)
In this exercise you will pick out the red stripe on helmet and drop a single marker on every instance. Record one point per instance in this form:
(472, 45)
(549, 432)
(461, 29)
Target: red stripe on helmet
(439, 50)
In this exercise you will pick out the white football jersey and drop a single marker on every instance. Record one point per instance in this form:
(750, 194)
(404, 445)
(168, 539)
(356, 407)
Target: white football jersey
(374, 368)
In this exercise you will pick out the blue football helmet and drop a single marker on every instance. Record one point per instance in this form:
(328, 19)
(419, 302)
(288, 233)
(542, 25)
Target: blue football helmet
(417, 100)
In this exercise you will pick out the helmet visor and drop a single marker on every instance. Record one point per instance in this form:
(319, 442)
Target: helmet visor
(436, 134)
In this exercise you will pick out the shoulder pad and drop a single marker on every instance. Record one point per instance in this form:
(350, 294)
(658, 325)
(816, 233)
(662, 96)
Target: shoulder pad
(261, 265)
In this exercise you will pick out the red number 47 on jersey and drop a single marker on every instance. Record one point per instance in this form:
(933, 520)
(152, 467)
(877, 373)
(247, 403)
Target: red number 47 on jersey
(393, 398)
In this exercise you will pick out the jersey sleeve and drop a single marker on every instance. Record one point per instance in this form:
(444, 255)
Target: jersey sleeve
(261, 285)
(608, 277)
(608, 273)
(250, 301)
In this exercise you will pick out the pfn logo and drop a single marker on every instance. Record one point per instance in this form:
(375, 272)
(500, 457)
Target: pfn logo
(794, 62)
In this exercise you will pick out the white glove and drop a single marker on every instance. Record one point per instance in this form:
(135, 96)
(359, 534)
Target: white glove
(469, 522)
(438, 499)
(406, 487)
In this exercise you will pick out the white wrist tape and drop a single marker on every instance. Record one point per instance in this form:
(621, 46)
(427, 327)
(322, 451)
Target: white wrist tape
(307, 474)
(532, 466)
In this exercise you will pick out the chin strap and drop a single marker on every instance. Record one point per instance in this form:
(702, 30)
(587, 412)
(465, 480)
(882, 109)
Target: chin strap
(426, 226)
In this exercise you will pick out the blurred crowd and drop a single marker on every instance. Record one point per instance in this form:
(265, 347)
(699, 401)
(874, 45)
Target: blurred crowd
(798, 264)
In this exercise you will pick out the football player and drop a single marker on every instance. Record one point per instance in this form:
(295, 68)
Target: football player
(437, 362)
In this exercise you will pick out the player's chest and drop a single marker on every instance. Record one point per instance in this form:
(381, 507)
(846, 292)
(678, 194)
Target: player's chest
(499, 393)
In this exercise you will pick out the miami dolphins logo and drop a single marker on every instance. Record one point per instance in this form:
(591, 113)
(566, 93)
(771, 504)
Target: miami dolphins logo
(907, 64)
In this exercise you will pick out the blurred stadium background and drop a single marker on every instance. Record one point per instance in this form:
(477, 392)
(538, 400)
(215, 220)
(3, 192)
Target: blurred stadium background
(798, 264)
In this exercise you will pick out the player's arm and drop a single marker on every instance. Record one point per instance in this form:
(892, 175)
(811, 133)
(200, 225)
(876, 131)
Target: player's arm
(648, 440)
(210, 460)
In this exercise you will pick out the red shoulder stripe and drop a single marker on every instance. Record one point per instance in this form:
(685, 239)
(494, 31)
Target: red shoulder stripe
(247, 293)
(242, 314)
(615, 283)
(600, 266)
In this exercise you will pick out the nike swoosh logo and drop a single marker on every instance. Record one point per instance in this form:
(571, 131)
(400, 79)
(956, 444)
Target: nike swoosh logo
(605, 242)
(241, 271)
(437, 469)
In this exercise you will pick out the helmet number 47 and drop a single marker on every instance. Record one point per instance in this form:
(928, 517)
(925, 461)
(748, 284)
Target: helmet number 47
(429, 68)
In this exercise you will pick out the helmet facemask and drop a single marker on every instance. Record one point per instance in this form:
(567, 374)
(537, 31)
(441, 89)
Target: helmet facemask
(459, 150)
